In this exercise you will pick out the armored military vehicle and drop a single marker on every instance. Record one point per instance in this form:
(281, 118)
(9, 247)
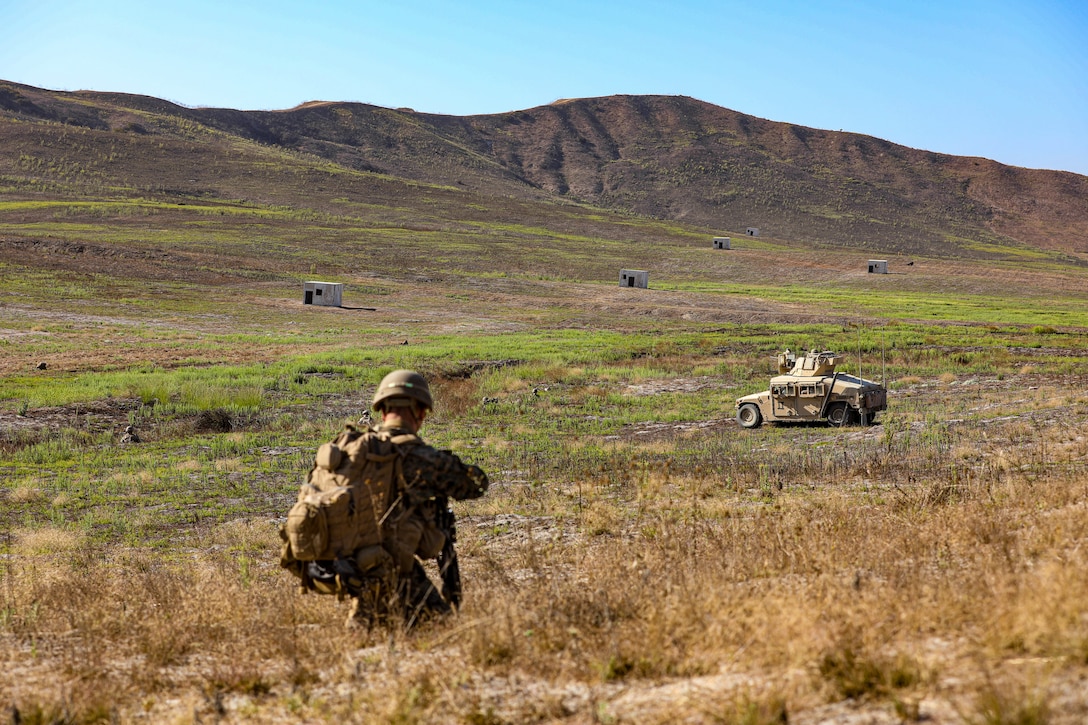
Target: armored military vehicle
(809, 389)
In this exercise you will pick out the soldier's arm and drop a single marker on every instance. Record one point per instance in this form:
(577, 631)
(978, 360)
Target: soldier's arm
(444, 473)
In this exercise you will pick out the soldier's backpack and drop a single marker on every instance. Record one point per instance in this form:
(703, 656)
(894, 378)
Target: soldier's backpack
(333, 533)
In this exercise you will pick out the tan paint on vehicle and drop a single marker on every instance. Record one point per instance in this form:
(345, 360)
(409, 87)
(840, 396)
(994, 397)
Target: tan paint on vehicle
(809, 389)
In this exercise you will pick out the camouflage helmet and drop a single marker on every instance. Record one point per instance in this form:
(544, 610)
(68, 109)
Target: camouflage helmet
(400, 387)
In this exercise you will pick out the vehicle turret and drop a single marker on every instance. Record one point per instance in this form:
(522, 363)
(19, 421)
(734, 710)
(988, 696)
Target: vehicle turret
(814, 363)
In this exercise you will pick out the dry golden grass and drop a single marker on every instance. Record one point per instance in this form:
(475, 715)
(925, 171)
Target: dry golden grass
(229, 464)
(649, 599)
(456, 397)
(25, 493)
(45, 540)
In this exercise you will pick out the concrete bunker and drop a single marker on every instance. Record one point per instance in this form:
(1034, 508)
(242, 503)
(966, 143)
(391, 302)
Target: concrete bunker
(878, 266)
(752, 231)
(328, 294)
(721, 242)
(634, 278)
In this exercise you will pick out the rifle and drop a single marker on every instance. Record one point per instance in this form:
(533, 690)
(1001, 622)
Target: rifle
(448, 567)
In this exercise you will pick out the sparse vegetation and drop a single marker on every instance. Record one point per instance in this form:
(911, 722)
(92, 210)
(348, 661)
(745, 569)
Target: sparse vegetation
(638, 559)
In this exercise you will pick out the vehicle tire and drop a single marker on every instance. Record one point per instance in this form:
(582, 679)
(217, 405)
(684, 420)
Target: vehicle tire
(748, 416)
(839, 414)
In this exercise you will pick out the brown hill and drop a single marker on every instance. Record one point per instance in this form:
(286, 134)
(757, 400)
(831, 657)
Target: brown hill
(666, 157)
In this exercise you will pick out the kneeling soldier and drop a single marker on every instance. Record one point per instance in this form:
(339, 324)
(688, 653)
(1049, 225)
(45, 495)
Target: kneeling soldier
(419, 525)
(374, 506)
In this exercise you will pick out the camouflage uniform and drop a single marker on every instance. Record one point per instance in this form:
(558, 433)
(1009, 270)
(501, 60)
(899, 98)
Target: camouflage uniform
(411, 531)
(418, 523)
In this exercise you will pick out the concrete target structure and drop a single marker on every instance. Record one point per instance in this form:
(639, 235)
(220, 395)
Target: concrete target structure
(327, 294)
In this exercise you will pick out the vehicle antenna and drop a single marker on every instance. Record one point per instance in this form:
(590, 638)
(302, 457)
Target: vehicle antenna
(859, 351)
(883, 360)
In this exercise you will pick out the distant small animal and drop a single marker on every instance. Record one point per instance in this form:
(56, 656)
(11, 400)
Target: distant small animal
(41, 366)
(490, 401)
(364, 419)
(404, 343)
(130, 435)
(910, 264)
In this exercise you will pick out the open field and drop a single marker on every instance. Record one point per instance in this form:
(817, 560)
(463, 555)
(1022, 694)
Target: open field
(639, 558)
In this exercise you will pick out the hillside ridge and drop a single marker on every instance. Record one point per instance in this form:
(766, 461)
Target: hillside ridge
(665, 157)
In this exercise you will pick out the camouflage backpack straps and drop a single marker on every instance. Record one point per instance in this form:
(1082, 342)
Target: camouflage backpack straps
(405, 440)
(347, 494)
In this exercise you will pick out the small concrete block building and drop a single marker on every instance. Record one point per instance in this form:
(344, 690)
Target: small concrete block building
(634, 278)
(721, 242)
(878, 266)
(322, 293)
(752, 231)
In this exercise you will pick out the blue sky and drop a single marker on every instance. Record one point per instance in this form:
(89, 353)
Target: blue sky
(1003, 79)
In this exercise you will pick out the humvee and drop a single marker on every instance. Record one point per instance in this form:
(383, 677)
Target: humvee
(809, 389)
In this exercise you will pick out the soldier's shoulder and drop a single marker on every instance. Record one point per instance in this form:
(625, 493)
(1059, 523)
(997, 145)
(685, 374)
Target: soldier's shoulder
(428, 452)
